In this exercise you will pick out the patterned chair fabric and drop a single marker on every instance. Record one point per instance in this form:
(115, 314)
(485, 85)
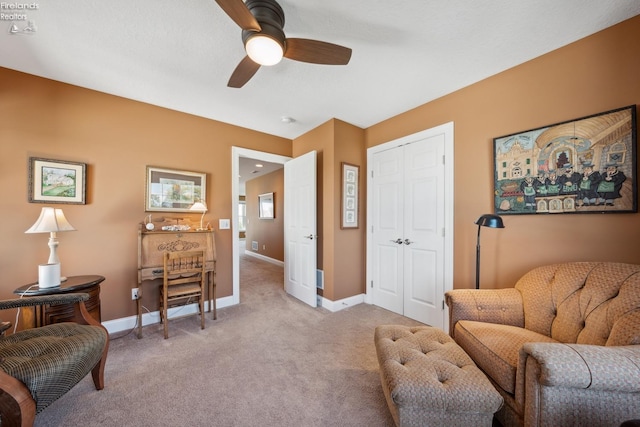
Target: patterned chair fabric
(562, 347)
(50, 360)
(428, 379)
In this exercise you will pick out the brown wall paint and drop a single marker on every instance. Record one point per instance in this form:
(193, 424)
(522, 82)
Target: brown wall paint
(595, 74)
(117, 138)
(267, 232)
(350, 248)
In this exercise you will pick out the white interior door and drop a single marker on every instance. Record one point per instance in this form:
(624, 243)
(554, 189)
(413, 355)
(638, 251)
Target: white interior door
(407, 218)
(424, 230)
(300, 247)
(387, 247)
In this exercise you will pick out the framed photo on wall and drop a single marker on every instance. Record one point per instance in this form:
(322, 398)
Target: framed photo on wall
(170, 190)
(266, 208)
(586, 165)
(349, 199)
(57, 181)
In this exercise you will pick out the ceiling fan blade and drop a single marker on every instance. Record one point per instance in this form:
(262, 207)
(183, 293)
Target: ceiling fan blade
(317, 52)
(239, 12)
(243, 73)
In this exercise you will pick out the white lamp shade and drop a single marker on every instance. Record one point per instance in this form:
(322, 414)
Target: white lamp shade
(264, 50)
(50, 220)
(199, 207)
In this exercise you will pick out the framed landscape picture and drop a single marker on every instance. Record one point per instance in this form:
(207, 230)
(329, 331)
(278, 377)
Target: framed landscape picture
(586, 165)
(170, 190)
(57, 181)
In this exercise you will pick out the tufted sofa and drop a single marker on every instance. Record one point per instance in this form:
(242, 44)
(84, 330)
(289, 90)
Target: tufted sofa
(562, 347)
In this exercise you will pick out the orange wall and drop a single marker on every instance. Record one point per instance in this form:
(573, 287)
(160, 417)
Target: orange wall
(269, 233)
(595, 74)
(117, 138)
(350, 247)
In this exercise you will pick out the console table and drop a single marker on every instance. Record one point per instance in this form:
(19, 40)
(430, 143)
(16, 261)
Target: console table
(34, 317)
(153, 244)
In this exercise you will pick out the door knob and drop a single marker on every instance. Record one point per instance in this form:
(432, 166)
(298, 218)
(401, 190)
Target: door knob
(398, 241)
(408, 242)
(310, 237)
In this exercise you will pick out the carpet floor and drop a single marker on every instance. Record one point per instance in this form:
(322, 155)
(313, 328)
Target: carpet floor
(269, 361)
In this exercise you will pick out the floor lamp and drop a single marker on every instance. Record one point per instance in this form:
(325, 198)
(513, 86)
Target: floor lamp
(486, 220)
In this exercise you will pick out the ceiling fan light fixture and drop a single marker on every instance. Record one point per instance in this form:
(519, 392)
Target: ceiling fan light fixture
(264, 50)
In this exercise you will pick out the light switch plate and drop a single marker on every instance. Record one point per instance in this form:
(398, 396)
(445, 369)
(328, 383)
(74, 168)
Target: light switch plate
(224, 224)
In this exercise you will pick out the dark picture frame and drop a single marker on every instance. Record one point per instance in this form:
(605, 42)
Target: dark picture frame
(172, 190)
(581, 166)
(57, 181)
(266, 206)
(349, 198)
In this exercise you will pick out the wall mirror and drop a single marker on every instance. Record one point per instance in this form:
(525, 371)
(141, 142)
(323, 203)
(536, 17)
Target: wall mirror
(265, 204)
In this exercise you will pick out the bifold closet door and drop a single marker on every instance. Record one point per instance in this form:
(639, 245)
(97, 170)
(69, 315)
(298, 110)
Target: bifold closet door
(408, 218)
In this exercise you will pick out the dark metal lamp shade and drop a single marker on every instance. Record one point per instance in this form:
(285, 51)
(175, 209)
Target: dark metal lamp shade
(490, 220)
(486, 220)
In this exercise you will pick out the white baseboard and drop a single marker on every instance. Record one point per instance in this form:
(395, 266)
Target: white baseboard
(264, 258)
(150, 318)
(334, 306)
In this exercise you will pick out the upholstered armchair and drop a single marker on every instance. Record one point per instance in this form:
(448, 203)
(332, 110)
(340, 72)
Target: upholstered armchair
(37, 366)
(562, 346)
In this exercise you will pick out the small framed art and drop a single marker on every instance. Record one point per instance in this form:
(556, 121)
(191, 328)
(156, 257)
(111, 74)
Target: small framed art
(57, 181)
(350, 190)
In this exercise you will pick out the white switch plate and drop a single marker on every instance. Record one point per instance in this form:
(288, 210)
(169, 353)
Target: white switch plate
(225, 224)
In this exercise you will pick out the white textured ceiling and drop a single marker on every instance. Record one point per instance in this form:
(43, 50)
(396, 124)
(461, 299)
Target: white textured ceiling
(180, 54)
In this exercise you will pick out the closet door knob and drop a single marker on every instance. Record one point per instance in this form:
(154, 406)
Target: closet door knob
(398, 241)
(408, 242)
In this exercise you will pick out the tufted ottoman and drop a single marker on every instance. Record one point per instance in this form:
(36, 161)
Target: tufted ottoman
(429, 380)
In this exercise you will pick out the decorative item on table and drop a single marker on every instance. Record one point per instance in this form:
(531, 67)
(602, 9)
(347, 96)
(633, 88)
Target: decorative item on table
(486, 220)
(178, 227)
(200, 206)
(51, 221)
(148, 224)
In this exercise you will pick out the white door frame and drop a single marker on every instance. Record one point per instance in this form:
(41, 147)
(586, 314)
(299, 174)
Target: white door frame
(236, 153)
(447, 129)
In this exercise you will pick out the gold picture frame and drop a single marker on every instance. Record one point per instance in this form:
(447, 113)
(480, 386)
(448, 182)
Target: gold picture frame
(171, 190)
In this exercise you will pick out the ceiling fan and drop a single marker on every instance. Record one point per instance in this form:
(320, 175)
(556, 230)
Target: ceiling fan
(265, 43)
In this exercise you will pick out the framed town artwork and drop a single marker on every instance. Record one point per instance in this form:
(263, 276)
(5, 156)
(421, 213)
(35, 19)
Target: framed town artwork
(586, 165)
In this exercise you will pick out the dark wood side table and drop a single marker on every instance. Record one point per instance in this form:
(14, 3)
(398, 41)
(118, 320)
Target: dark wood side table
(34, 317)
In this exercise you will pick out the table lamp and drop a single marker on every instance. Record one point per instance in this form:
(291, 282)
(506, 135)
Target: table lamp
(51, 221)
(200, 206)
(486, 220)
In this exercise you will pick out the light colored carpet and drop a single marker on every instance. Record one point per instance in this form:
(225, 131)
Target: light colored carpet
(269, 361)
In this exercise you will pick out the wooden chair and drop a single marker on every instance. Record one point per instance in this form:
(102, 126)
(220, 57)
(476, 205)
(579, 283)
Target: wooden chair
(184, 280)
(39, 365)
